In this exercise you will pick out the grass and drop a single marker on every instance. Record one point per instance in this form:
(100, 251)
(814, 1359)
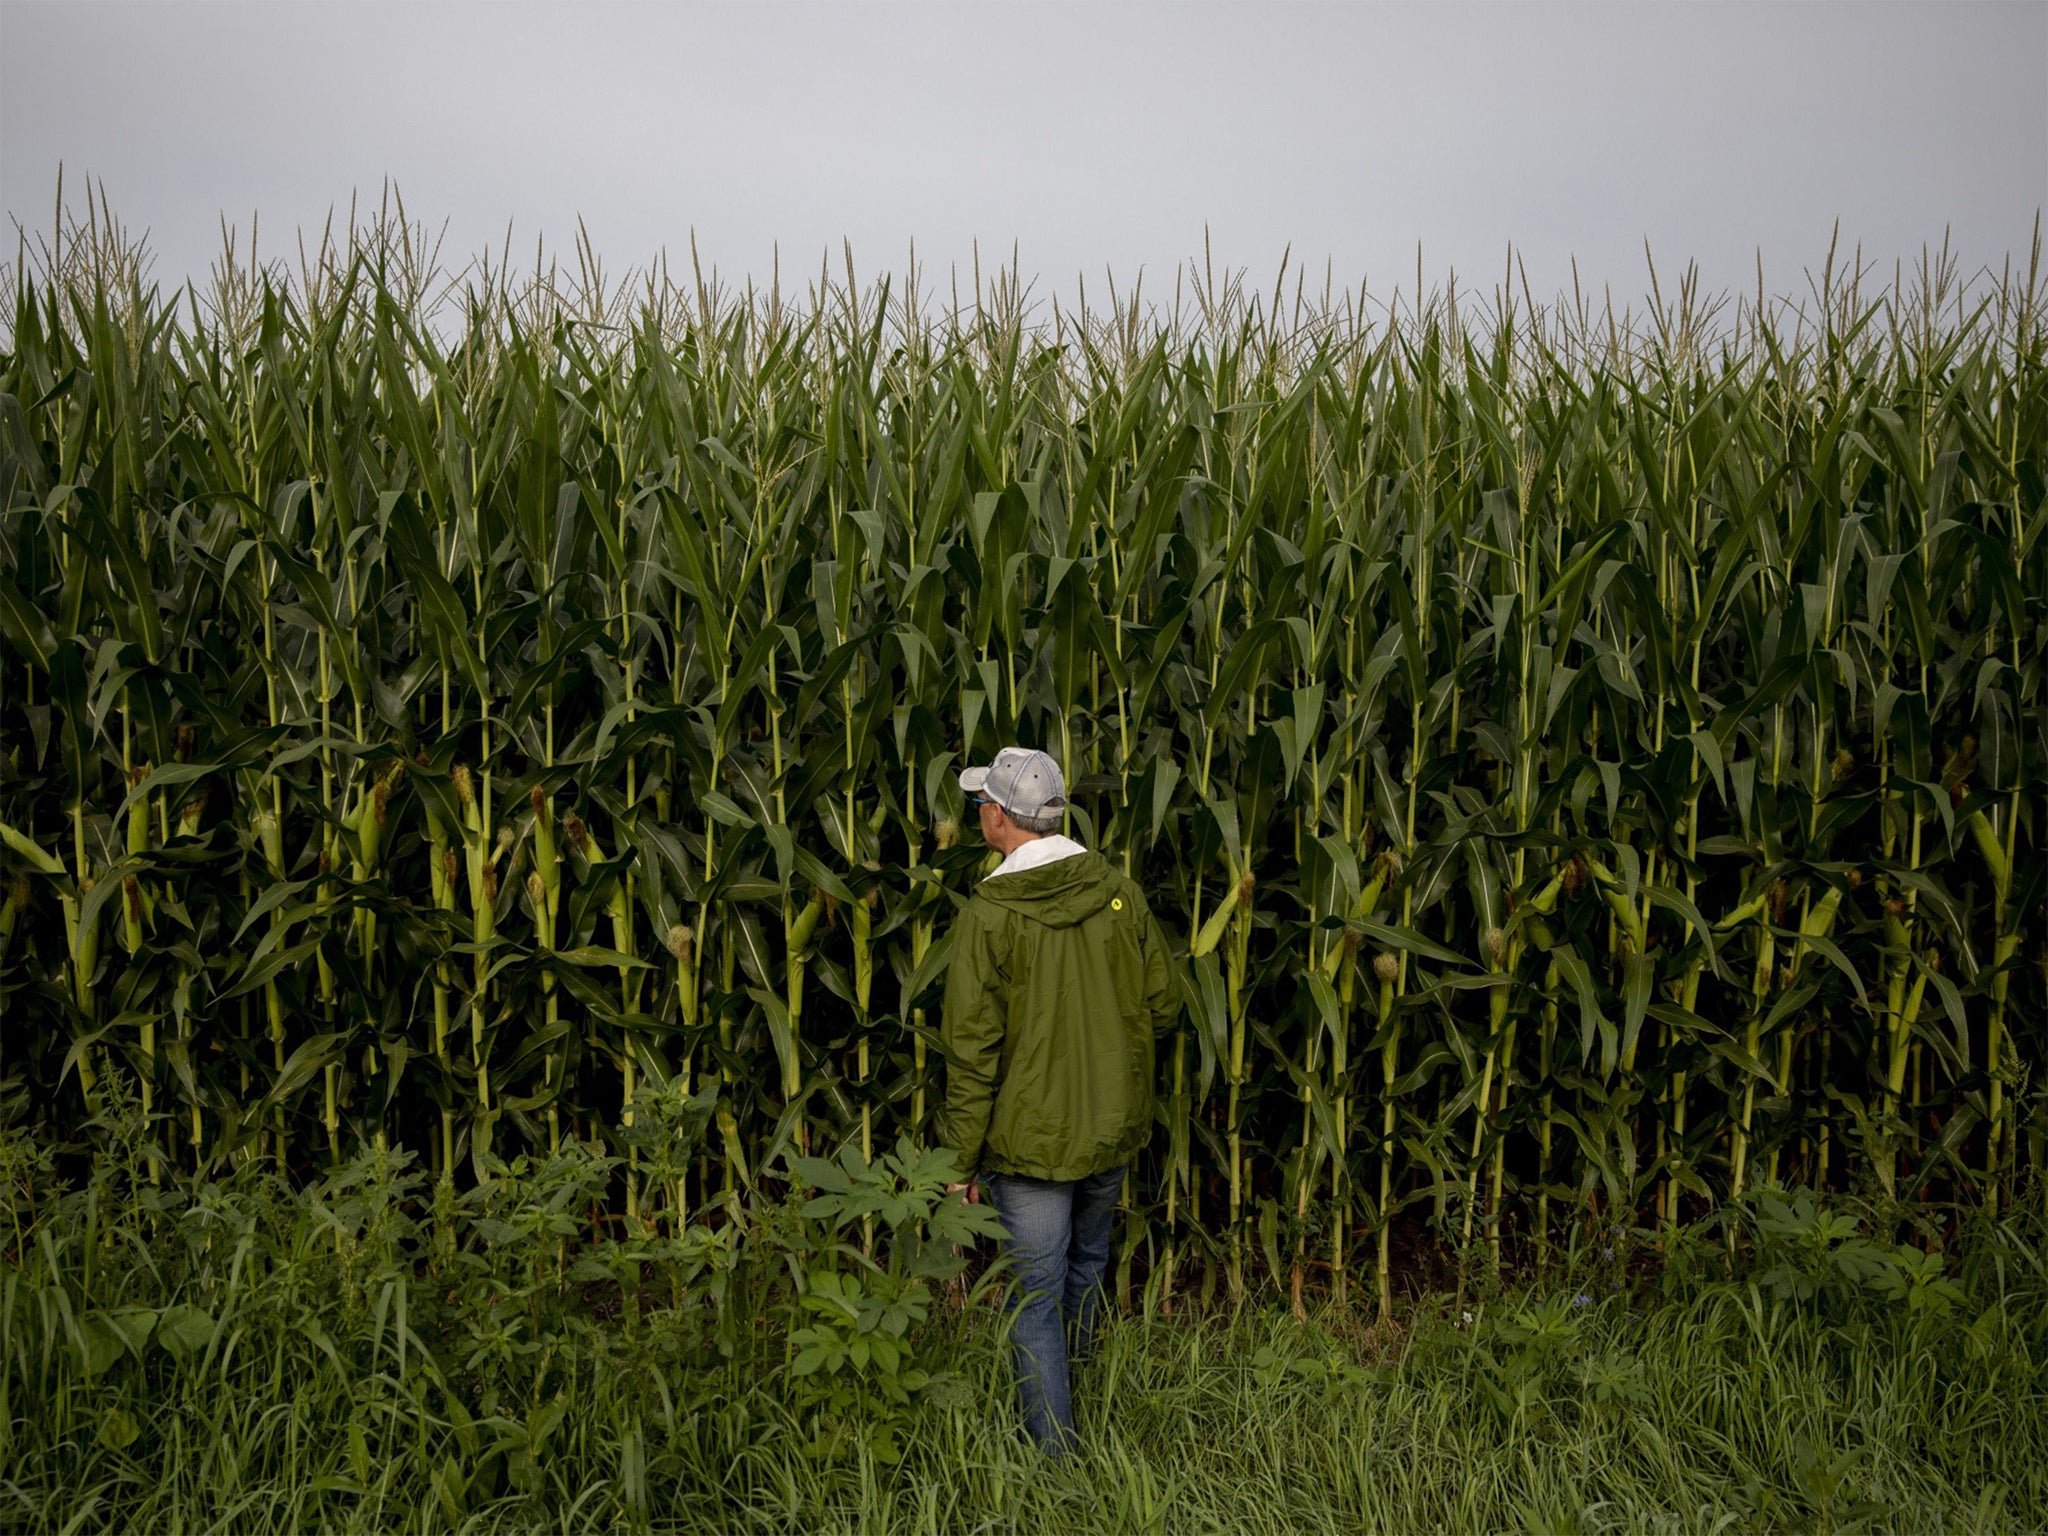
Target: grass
(363, 1356)
(1750, 1417)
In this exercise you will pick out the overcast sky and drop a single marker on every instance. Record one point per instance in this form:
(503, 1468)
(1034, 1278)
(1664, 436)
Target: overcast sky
(1094, 136)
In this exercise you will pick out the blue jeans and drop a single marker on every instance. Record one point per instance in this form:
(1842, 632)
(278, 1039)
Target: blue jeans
(1058, 1250)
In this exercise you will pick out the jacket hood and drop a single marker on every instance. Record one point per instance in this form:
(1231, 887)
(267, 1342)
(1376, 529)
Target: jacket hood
(1060, 894)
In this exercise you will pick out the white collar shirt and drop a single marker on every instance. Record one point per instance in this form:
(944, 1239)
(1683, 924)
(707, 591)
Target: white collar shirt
(1038, 852)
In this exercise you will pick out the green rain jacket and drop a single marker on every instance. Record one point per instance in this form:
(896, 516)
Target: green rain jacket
(1057, 986)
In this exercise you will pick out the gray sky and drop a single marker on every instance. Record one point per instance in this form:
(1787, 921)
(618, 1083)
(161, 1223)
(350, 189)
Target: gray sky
(1092, 135)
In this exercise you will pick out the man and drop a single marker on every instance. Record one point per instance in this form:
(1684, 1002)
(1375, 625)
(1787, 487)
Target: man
(1057, 985)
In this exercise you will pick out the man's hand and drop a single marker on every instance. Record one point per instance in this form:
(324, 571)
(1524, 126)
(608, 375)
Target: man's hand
(970, 1189)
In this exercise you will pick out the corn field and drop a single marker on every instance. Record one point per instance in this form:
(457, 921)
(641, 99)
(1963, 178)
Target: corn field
(1589, 763)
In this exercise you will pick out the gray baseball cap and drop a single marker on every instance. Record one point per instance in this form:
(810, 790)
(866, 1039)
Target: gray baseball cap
(1022, 781)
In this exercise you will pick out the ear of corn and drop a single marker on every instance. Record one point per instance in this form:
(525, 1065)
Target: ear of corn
(1595, 760)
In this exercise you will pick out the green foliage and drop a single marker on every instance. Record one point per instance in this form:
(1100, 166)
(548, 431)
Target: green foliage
(464, 1342)
(906, 1190)
(373, 1352)
(1590, 763)
(854, 1362)
(1804, 1250)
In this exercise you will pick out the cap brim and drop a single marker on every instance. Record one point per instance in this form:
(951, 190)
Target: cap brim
(973, 780)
